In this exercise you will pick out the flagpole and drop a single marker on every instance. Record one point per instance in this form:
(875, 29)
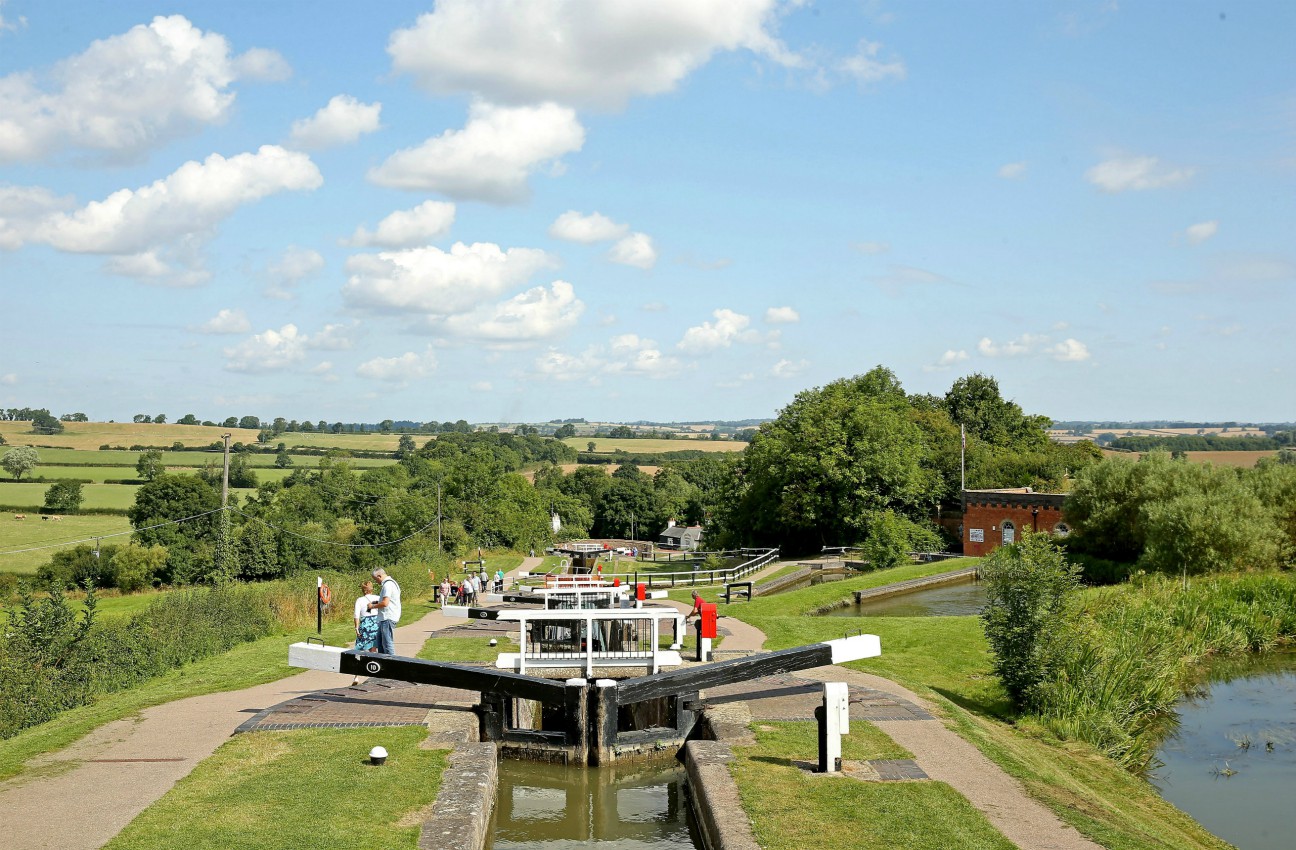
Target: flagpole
(962, 454)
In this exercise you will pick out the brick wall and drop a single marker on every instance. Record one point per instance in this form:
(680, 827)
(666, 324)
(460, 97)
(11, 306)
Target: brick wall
(992, 518)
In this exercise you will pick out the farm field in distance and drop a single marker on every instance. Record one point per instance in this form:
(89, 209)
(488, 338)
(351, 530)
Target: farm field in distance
(92, 435)
(1238, 459)
(34, 531)
(607, 445)
(184, 459)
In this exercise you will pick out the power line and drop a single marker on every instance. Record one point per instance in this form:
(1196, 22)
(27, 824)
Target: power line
(106, 536)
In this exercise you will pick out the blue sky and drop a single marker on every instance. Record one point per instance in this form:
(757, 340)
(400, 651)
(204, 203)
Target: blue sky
(668, 210)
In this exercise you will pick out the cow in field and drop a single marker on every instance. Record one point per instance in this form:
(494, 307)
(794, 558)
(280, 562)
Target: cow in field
(20, 516)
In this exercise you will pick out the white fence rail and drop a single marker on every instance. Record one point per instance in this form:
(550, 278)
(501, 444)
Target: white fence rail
(755, 560)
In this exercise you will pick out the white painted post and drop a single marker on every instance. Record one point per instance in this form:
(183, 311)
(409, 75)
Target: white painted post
(652, 665)
(836, 722)
(522, 640)
(589, 647)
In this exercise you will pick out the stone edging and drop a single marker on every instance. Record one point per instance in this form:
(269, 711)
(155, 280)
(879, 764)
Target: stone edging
(461, 814)
(720, 816)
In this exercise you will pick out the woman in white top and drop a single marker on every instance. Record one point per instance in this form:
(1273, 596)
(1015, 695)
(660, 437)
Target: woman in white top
(366, 622)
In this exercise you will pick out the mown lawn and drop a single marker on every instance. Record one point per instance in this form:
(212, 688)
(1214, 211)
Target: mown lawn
(946, 660)
(791, 808)
(252, 794)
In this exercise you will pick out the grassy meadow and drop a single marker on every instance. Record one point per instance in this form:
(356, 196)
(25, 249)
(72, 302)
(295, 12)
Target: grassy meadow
(92, 435)
(1234, 459)
(607, 445)
(180, 459)
(35, 532)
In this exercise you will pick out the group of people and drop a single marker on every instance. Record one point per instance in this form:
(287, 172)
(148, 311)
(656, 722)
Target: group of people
(469, 591)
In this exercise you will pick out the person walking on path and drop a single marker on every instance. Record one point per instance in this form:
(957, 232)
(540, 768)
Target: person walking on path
(389, 608)
(445, 591)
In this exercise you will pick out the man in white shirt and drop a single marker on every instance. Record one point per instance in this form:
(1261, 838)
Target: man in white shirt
(388, 607)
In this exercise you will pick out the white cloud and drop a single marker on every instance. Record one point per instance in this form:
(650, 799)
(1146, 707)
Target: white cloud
(331, 338)
(226, 322)
(124, 94)
(271, 351)
(262, 64)
(435, 282)
(324, 367)
(727, 328)
(1012, 170)
(408, 228)
(871, 247)
(948, 359)
(173, 215)
(343, 120)
(481, 387)
(22, 208)
(900, 278)
(636, 250)
(1125, 173)
(1068, 350)
(399, 370)
(538, 314)
(491, 158)
(292, 268)
(865, 67)
(11, 24)
(782, 316)
(9, 379)
(581, 52)
(586, 229)
(1201, 232)
(625, 354)
(788, 368)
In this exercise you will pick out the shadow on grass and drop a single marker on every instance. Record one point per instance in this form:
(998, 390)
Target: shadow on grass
(1000, 708)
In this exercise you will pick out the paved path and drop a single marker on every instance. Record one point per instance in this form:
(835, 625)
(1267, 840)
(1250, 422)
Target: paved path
(119, 769)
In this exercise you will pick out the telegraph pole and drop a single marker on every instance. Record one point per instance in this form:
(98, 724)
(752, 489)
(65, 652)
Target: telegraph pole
(439, 549)
(225, 474)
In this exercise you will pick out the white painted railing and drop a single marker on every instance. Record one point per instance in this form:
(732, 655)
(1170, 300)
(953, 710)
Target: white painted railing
(756, 559)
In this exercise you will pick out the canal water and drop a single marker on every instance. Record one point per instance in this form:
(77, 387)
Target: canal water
(621, 807)
(948, 600)
(1232, 762)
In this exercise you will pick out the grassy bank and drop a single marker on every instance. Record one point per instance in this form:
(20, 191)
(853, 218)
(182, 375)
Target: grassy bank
(250, 794)
(946, 660)
(791, 808)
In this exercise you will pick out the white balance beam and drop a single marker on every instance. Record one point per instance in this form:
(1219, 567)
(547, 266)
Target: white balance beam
(313, 656)
(854, 648)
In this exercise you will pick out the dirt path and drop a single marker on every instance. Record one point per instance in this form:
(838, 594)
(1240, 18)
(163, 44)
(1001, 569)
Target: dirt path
(119, 769)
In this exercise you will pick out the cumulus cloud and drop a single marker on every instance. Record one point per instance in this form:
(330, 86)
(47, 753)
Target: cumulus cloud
(586, 229)
(226, 322)
(173, 215)
(871, 247)
(436, 283)
(625, 354)
(782, 316)
(865, 67)
(271, 351)
(125, 93)
(262, 64)
(1126, 173)
(22, 208)
(538, 314)
(636, 250)
(9, 379)
(292, 268)
(788, 368)
(408, 228)
(491, 158)
(729, 327)
(582, 52)
(948, 359)
(343, 120)
(331, 338)
(1201, 232)
(1068, 350)
(9, 24)
(401, 369)
(1012, 170)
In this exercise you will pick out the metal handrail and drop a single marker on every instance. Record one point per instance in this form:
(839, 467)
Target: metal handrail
(757, 558)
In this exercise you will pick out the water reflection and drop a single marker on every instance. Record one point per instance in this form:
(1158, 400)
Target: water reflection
(949, 600)
(1245, 724)
(545, 807)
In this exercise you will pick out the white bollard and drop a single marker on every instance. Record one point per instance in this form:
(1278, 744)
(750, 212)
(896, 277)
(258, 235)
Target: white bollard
(834, 721)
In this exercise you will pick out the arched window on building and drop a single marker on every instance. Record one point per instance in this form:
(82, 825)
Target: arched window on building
(1061, 529)
(1009, 532)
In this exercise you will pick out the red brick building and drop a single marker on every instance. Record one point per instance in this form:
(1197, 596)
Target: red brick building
(992, 518)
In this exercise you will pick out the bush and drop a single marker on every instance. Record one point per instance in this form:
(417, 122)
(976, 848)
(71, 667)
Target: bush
(1028, 586)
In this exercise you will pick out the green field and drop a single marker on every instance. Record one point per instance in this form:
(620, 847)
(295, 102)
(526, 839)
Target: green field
(607, 445)
(34, 531)
(96, 497)
(92, 435)
(182, 459)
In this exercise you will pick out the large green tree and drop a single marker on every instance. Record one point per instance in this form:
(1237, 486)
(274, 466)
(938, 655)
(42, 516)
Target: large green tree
(150, 465)
(975, 403)
(19, 461)
(64, 496)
